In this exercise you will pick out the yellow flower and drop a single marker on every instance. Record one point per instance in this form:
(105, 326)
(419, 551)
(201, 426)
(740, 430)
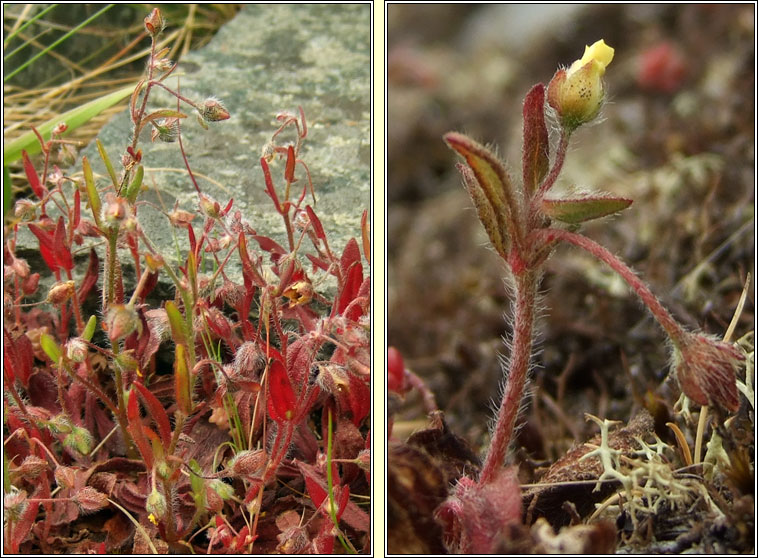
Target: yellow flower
(152, 519)
(577, 94)
(599, 53)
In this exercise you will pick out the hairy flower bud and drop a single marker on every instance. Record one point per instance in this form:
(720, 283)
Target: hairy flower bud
(154, 23)
(213, 110)
(121, 320)
(31, 467)
(115, 211)
(706, 369)
(155, 505)
(577, 94)
(90, 500)
(80, 440)
(25, 210)
(61, 292)
(77, 349)
(248, 463)
(167, 131)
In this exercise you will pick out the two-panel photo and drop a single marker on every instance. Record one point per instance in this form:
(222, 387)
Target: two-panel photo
(378, 278)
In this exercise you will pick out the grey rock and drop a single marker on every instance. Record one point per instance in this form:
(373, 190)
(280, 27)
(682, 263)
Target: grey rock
(268, 59)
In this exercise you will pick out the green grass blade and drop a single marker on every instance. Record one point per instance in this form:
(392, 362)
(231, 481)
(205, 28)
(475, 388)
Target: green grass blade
(7, 193)
(24, 26)
(74, 118)
(56, 43)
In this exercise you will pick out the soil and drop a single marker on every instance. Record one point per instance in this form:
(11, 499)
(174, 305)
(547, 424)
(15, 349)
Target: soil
(677, 136)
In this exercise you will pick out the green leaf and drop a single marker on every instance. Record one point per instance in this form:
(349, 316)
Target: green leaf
(74, 119)
(583, 209)
(51, 348)
(176, 321)
(89, 329)
(107, 161)
(136, 184)
(492, 179)
(92, 194)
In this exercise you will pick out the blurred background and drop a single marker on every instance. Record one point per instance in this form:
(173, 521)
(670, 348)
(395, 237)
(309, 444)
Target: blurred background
(676, 135)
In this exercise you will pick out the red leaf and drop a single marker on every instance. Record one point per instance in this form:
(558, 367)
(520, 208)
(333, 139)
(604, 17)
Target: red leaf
(536, 151)
(192, 241)
(315, 490)
(60, 246)
(350, 290)
(19, 357)
(156, 411)
(316, 222)
(359, 398)
(31, 175)
(344, 498)
(135, 429)
(269, 245)
(395, 371)
(90, 277)
(227, 208)
(46, 247)
(350, 255)
(289, 169)
(270, 185)
(317, 262)
(281, 397)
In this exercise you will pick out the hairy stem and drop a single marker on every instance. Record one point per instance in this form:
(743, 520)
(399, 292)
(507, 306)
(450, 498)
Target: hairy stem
(662, 316)
(526, 291)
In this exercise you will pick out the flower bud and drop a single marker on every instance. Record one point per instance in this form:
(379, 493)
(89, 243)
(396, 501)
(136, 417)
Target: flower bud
(225, 491)
(706, 369)
(213, 110)
(20, 267)
(90, 499)
(61, 292)
(31, 467)
(77, 349)
(59, 128)
(210, 207)
(577, 94)
(154, 22)
(114, 211)
(25, 210)
(248, 463)
(167, 131)
(80, 440)
(155, 505)
(14, 504)
(180, 217)
(65, 476)
(121, 321)
(154, 261)
(29, 285)
(59, 424)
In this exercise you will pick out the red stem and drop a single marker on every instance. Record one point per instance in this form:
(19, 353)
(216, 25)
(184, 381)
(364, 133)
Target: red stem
(526, 289)
(664, 318)
(560, 157)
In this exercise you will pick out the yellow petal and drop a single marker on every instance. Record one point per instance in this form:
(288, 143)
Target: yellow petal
(599, 52)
